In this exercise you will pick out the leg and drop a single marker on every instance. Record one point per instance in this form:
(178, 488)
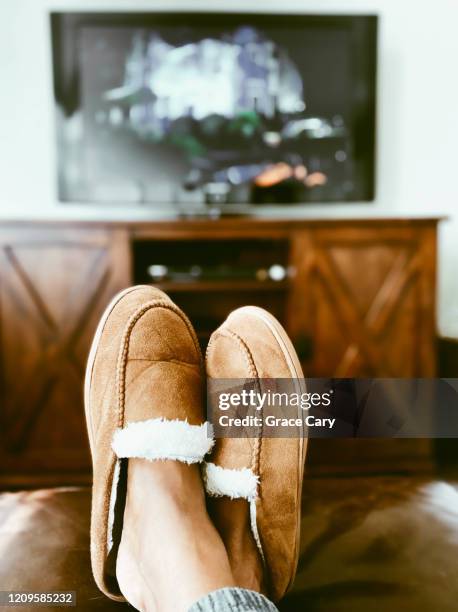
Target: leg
(232, 520)
(170, 553)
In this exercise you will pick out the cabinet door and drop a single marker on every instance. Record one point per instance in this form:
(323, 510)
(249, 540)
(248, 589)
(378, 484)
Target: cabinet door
(363, 305)
(363, 302)
(54, 284)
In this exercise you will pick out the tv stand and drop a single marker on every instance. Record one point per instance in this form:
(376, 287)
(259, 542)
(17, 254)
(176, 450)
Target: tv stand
(358, 301)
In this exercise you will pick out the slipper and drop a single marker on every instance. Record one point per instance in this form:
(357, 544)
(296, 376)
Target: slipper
(143, 399)
(266, 472)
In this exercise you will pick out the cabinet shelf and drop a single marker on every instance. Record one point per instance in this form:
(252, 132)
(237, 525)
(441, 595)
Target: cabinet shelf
(221, 285)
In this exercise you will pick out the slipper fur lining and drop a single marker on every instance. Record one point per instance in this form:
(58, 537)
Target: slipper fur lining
(161, 439)
(219, 481)
(235, 484)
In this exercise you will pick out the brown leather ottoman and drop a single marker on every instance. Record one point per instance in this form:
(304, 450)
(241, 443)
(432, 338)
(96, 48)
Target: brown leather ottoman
(368, 544)
(44, 546)
(378, 544)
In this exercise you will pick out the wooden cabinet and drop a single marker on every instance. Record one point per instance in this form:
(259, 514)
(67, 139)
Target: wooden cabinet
(360, 301)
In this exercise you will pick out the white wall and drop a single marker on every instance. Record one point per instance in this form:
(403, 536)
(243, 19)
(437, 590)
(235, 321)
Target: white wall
(417, 114)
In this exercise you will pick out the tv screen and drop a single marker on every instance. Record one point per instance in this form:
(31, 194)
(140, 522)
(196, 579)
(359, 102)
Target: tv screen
(222, 109)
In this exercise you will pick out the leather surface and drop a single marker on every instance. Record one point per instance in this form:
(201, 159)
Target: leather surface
(368, 545)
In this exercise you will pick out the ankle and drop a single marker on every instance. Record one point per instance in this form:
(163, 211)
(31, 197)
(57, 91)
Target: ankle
(130, 578)
(167, 532)
(233, 521)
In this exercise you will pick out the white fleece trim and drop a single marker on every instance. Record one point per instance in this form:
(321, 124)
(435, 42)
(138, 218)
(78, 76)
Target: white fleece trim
(235, 484)
(219, 481)
(254, 529)
(160, 439)
(113, 496)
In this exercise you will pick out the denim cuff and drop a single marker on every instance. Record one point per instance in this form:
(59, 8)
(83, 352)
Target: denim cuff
(233, 600)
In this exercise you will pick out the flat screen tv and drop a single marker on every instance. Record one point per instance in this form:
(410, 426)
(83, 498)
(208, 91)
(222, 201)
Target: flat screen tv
(185, 110)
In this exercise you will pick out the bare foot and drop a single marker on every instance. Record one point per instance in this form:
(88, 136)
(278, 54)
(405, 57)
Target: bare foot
(170, 553)
(232, 520)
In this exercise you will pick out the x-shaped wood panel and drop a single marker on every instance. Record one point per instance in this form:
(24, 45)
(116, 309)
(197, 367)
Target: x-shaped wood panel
(56, 361)
(364, 332)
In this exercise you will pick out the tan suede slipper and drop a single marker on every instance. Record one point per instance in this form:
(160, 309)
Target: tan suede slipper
(267, 472)
(143, 398)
